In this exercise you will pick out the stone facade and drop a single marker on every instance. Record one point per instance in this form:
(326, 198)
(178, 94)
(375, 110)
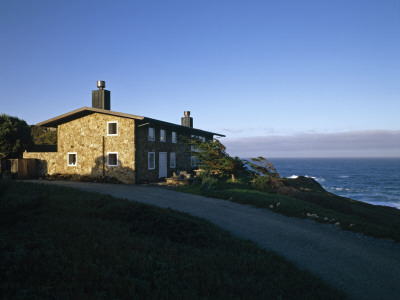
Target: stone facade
(181, 150)
(97, 142)
(88, 137)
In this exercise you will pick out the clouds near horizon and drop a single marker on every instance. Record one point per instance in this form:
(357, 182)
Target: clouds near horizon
(371, 143)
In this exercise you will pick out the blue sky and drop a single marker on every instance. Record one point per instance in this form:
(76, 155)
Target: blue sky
(323, 76)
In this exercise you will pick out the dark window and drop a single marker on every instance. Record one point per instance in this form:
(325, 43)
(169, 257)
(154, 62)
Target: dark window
(112, 128)
(112, 159)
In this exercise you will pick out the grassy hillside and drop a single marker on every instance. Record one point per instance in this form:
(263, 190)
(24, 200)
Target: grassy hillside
(305, 198)
(58, 243)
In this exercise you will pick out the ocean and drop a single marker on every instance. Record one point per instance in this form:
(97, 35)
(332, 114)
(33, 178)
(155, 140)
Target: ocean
(371, 180)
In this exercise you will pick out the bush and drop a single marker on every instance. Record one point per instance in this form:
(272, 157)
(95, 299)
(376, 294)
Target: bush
(269, 184)
(209, 183)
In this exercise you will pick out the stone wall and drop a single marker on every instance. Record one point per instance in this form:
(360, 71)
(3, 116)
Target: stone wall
(144, 146)
(88, 138)
(47, 161)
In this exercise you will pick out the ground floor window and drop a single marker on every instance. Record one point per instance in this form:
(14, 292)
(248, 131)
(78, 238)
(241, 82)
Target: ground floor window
(72, 159)
(194, 161)
(112, 159)
(151, 160)
(172, 160)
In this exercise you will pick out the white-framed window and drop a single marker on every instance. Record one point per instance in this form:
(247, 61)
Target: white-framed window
(112, 159)
(163, 135)
(192, 147)
(152, 135)
(194, 161)
(174, 137)
(72, 159)
(172, 160)
(151, 160)
(203, 139)
(112, 128)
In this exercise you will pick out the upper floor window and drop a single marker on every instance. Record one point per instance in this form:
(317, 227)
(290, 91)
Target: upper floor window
(112, 159)
(174, 137)
(112, 128)
(72, 159)
(163, 136)
(152, 135)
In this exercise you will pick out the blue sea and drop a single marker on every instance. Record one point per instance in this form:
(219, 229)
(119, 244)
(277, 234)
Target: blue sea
(371, 180)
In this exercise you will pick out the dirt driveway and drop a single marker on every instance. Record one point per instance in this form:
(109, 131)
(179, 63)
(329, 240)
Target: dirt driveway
(363, 267)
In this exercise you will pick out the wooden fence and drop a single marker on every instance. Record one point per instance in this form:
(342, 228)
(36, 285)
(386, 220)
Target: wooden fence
(21, 168)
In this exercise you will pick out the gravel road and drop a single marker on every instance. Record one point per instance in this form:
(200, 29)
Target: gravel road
(363, 267)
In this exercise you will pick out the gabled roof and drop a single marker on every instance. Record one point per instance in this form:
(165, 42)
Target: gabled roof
(85, 111)
(82, 112)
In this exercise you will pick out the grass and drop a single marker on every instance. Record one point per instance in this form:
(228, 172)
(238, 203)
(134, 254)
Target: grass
(59, 243)
(316, 203)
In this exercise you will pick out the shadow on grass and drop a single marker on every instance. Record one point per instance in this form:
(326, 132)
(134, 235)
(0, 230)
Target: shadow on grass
(68, 244)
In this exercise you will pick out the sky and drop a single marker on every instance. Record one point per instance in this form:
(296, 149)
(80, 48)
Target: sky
(310, 78)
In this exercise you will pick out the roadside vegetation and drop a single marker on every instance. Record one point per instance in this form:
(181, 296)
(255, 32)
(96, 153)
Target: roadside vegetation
(59, 243)
(257, 182)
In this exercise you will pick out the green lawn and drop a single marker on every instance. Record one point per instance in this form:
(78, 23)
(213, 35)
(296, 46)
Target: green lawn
(372, 220)
(59, 243)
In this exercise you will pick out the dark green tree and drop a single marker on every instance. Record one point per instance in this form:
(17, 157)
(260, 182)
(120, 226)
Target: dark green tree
(260, 166)
(212, 157)
(43, 136)
(15, 136)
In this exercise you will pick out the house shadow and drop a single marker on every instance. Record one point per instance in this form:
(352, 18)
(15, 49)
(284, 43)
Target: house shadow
(102, 169)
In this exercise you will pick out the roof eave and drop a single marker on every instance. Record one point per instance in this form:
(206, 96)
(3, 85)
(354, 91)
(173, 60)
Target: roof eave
(83, 111)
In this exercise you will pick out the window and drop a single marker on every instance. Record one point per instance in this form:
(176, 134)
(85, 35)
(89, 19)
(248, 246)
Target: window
(174, 137)
(163, 136)
(151, 134)
(172, 160)
(72, 159)
(112, 159)
(192, 147)
(112, 128)
(151, 160)
(194, 161)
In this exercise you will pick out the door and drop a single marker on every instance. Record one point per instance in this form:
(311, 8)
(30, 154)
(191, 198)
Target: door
(162, 165)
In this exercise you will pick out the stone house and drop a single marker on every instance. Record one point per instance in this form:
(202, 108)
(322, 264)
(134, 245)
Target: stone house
(96, 141)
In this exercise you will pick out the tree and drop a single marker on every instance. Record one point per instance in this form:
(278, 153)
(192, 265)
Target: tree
(15, 136)
(212, 157)
(43, 136)
(260, 166)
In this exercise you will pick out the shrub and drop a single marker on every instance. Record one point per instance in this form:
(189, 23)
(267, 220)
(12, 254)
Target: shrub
(208, 183)
(269, 184)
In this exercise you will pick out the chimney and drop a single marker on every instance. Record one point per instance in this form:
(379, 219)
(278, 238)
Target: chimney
(101, 97)
(187, 120)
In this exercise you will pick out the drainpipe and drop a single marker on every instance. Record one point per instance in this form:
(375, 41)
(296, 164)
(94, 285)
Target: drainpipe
(104, 160)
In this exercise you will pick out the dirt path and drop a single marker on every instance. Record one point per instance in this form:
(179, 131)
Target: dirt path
(364, 268)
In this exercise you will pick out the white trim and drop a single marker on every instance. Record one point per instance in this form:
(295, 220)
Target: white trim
(76, 159)
(108, 159)
(172, 165)
(154, 161)
(194, 162)
(163, 135)
(108, 128)
(151, 138)
(174, 137)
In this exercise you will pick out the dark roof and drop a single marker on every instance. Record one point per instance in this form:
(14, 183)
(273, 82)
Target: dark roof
(85, 111)
(199, 131)
(82, 112)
